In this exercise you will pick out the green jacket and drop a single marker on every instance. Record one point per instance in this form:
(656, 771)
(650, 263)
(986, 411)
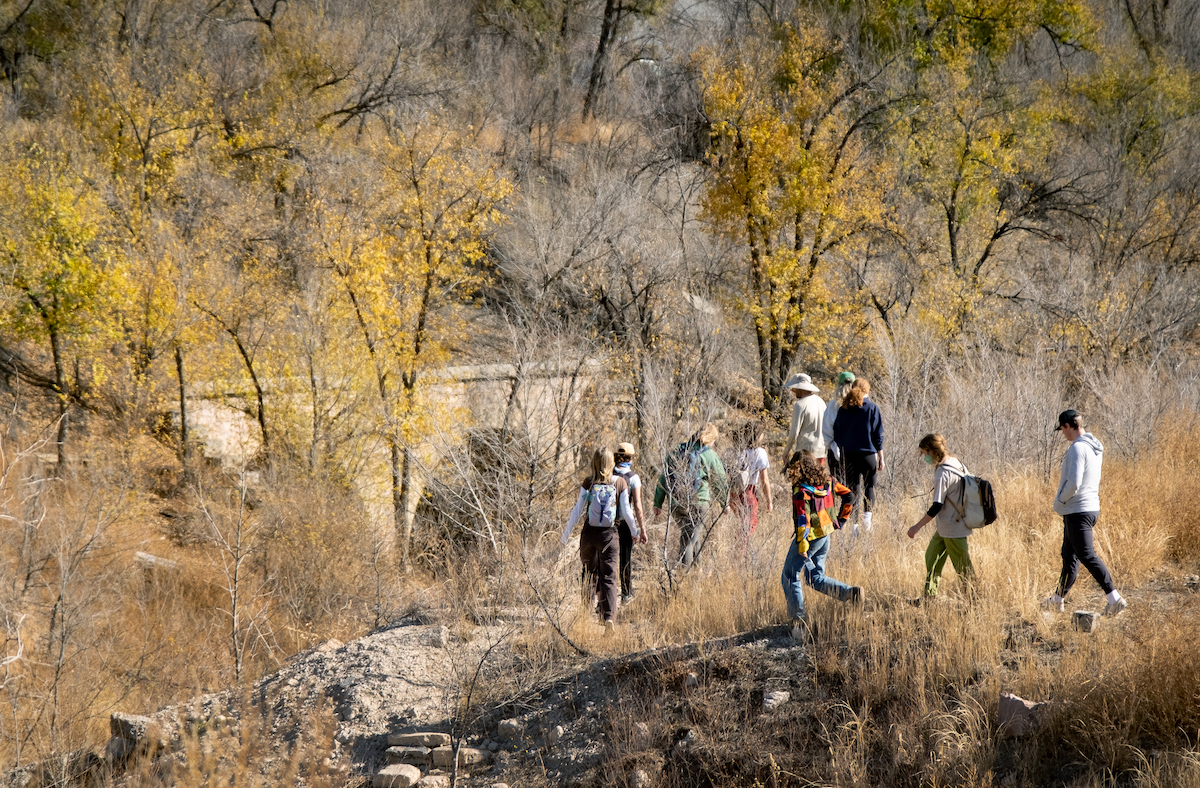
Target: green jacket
(693, 475)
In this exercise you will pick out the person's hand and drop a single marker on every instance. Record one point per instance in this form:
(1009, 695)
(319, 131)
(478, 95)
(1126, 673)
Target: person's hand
(657, 514)
(881, 463)
(912, 532)
(642, 537)
(770, 507)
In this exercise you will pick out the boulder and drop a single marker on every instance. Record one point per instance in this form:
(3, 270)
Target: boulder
(691, 681)
(425, 739)
(773, 700)
(1017, 716)
(417, 756)
(1086, 620)
(467, 756)
(437, 638)
(434, 781)
(555, 735)
(509, 729)
(398, 775)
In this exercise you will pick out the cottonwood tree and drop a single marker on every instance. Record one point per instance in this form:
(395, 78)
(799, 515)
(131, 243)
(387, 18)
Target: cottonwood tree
(793, 179)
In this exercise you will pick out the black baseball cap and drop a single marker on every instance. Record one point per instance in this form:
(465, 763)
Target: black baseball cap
(1067, 418)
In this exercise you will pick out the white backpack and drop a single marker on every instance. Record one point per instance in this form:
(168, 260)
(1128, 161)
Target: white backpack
(601, 505)
(970, 507)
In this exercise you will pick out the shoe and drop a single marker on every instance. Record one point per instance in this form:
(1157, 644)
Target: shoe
(609, 626)
(800, 630)
(1059, 606)
(854, 530)
(1115, 608)
(627, 598)
(857, 595)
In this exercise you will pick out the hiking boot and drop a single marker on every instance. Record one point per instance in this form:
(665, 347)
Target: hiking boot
(857, 595)
(1115, 608)
(1053, 605)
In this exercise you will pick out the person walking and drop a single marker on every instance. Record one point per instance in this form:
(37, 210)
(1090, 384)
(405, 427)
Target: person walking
(693, 478)
(748, 474)
(808, 411)
(628, 531)
(832, 453)
(949, 540)
(858, 433)
(603, 498)
(1078, 501)
(813, 525)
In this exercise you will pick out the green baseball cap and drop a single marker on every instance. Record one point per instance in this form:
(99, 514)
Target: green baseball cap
(846, 377)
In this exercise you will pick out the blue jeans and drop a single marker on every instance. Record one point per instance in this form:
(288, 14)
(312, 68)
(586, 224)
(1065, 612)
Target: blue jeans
(813, 571)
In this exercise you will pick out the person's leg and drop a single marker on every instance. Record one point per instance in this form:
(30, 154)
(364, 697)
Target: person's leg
(588, 556)
(935, 559)
(818, 552)
(752, 503)
(687, 532)
(607, 566)
(1080, 529)
(854, 476)
(870, 464)
(836, 469)
(960, 557)
(1070, 561)
(697, 517)
(793, 587)
(625, 536)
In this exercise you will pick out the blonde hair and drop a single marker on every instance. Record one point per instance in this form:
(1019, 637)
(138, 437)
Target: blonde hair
(602, 468)
(935, 444)
(858, 392)
(707, 435)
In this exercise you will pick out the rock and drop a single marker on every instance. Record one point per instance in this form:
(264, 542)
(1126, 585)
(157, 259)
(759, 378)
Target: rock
(333, 644)
(685, 740)
(438, 638)
(641, 779)
(398, 775)
(344, 737)
(1086, 620)
(493, 746)
(691, 681)
(773, 700)
(130, 726)
(426, 739)
(293, 682)
(118, 750)
(434, 781)
(555, 735)
(1191, 581)
(1017, 716)
(643, 739)
(467, 756)
(498, 785)
(417, 756)
(508, 730)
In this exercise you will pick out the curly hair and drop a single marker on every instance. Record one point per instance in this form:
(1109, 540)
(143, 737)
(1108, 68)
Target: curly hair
(803, 468)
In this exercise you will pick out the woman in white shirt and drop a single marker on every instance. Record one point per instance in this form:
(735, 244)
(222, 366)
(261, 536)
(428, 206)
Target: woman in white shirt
(950, 540)
(749, 475)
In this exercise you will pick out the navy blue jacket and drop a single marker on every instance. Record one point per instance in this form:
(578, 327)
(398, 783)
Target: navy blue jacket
(859, 429)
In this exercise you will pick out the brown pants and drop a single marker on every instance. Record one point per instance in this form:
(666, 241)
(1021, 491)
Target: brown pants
(600, 552)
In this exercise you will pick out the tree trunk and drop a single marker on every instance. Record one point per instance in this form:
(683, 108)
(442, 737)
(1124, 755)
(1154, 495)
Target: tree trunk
(612, 10)
(185, 446)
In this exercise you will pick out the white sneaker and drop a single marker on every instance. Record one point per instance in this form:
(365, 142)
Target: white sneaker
(799, 630)
(1059, 605)
(609, 626)
(1115, 608)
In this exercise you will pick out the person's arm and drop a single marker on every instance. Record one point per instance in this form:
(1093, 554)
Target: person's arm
(847, 497)
(660, 494)
(766, 485)
(877, 434)
(625, 512)
(575, 515)
(800, 516)
(924, 521)
(1072, 476)
(941, 482)
(635, 497)
(717, 479)
(792, 432)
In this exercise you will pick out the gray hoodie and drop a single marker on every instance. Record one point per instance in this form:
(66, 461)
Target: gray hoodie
(1079, 481)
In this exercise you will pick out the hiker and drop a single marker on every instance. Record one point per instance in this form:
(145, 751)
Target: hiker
(832, 452)
(1078, 501)
(693, 478)
(858, 433)
(748, 474)
(629, 531)
(808, 411)
(603, 498)
(950, 537)
(813, 523)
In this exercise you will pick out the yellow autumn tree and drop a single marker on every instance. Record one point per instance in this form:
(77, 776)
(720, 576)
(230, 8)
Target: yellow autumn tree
(401, 224)
(793, 180)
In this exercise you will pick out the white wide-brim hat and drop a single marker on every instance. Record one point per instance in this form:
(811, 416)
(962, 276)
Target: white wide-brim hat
(802, 382)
